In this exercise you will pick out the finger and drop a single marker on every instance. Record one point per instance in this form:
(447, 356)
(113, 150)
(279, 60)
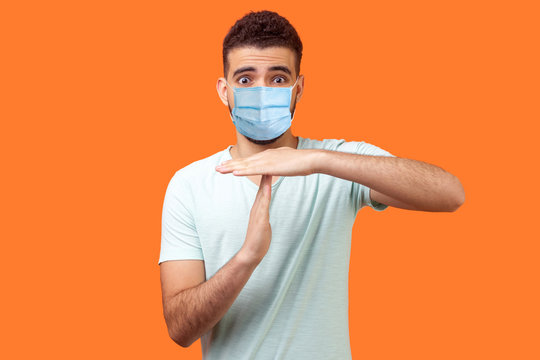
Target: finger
(247, 172)
(260, 192)
(225, 168)
(251, 168)
(261, 205)
(264, 191)
(266, 179)
(234, 167)
(266, 184)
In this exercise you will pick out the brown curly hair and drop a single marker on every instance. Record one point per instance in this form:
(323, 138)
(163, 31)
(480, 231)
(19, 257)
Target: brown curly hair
(262, 29)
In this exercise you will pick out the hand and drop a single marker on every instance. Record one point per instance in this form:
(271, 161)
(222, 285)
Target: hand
(283, 161)
(259, 232)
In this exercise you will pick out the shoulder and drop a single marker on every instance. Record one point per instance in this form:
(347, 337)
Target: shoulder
(199, 169)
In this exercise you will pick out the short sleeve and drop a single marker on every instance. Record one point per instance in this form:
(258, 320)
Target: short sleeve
(179, 238)
(361, 193)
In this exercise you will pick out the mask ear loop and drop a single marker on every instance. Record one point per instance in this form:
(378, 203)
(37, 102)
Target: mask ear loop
(229, 85)
(234, 97)
(231, 88)
(292, 87)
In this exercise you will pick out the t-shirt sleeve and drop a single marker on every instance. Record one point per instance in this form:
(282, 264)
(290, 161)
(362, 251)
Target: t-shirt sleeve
(361, 193)
(179, 238)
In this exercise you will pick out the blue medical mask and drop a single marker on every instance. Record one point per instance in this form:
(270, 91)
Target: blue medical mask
(262, 112)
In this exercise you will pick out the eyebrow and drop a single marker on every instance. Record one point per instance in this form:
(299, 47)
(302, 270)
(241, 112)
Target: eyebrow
(280, 68)
(243, 69)
(272, 68)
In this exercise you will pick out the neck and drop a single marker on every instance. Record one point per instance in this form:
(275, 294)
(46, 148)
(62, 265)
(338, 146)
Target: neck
(245, 148)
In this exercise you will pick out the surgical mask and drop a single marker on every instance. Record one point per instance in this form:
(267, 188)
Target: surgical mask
(262, 112)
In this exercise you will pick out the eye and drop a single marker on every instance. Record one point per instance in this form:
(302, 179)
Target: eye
(243, 80)
(279, 80)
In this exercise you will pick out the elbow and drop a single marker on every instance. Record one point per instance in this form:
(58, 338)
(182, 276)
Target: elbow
(458, 197)
(177, 332)
(176, 327)
(183, 343)
(180, 340)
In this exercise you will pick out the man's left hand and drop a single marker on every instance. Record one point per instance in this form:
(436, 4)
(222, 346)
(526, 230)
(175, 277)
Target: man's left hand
(283, 161)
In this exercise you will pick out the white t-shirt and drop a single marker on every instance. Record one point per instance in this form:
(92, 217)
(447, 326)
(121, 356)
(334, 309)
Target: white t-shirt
(295, 304)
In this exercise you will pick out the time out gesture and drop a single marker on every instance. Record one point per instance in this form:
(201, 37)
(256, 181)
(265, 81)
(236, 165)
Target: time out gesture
(399, 182)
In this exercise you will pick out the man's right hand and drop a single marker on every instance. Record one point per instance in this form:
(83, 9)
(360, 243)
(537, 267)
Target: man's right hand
(259, 232)
(192, 306)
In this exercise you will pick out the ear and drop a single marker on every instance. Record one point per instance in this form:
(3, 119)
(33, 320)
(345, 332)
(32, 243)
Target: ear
(299, 88)
(222, 89)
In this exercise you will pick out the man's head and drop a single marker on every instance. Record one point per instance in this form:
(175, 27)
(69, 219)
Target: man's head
(261, 49)
(262, 30)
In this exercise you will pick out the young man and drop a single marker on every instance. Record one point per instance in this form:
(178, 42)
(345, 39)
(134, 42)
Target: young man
(256, 238)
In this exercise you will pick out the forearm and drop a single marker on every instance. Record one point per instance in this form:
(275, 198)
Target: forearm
(194, 311)
(419, 184)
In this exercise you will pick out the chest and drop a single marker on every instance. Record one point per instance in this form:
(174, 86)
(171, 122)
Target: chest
(300, 207)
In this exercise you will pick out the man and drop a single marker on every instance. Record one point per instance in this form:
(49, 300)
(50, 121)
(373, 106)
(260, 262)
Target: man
(256, 238)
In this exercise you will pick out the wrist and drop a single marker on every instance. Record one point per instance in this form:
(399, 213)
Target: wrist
(248, 259)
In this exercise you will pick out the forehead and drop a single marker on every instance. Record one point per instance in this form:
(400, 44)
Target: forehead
(261, 58)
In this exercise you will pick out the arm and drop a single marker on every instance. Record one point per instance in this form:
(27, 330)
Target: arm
(399, 182)
(192, 306)
(193, 311)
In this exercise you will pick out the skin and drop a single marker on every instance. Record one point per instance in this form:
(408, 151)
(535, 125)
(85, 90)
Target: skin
(193, 305)
(397, 182)
(262, 60)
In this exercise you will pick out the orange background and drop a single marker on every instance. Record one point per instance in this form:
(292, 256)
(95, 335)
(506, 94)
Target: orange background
(103, 101)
